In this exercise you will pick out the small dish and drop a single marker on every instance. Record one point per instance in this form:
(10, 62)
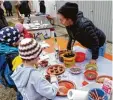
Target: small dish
(75, 70)
(79, 56)
(100, 79)
(91, 67)
(90, 74)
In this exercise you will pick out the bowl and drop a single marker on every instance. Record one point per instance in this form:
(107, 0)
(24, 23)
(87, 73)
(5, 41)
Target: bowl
(97, 94)
(67, 85)
(69, 59)
(90, 74)
(75, 70)
(61, 54)
(80, 56)
(91, 67)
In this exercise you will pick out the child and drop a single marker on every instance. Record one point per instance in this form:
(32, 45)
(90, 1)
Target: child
(9, 39)
(28, 79)
(23, 31)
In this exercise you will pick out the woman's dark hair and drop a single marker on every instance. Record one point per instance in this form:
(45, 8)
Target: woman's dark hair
(69, 10)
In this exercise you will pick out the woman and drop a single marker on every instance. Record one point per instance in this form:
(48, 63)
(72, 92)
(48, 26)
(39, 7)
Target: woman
(82, 30)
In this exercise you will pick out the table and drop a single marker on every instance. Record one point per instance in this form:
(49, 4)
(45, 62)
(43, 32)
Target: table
(39, 24)
(104, 68)
(40, 20)
(104, 65)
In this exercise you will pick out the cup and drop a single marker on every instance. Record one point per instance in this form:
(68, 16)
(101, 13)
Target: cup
(97, 94)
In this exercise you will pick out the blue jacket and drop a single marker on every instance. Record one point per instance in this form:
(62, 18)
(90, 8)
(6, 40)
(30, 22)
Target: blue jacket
(5, 70)
(6, 49)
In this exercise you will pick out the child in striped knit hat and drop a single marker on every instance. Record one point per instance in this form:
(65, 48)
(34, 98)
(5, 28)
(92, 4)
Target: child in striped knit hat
(28, 79)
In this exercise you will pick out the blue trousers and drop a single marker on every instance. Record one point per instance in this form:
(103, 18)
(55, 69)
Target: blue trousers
(101, 52)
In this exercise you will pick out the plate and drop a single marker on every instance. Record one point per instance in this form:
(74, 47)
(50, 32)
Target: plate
(100, 79)
(56, 69)
(67, 86)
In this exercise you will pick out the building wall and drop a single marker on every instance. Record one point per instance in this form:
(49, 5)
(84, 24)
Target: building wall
(103, 17)
(99, 12)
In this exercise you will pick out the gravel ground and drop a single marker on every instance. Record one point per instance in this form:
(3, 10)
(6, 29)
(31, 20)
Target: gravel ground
(7, 94)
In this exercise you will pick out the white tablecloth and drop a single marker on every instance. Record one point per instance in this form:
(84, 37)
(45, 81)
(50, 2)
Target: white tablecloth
(104, 68)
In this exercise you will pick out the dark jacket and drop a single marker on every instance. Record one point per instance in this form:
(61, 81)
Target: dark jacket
(3, 22)
(7, 5)
(24, 7)
(42, 7)
(86, 33)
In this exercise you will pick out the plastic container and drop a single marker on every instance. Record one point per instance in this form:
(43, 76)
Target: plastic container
(97, 93)
(69, 61)
(80, 56)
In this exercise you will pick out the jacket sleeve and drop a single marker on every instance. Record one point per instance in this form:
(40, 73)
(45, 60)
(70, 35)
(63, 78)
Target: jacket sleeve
(2, 25)
(90, 29)
(46, 89)
(69, 41)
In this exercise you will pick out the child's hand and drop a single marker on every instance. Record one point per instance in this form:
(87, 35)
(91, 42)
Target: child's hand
(92, 61)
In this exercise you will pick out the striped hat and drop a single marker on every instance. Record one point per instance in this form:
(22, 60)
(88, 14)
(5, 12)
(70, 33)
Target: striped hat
(29, 49)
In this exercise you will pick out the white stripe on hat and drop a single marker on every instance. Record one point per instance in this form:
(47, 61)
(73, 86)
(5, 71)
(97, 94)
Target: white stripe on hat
(29, 49)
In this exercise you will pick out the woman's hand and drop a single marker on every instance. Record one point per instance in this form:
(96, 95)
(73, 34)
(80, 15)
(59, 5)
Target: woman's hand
(92, 61)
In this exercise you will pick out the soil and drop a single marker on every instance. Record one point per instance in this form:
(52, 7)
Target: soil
(69, 55)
